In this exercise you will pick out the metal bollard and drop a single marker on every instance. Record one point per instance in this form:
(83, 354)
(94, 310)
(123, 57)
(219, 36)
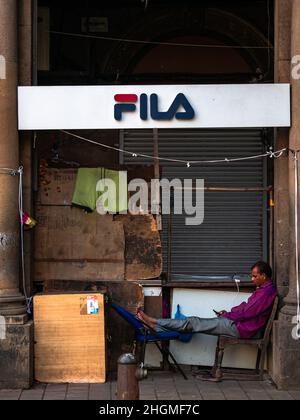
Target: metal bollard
(129, 375)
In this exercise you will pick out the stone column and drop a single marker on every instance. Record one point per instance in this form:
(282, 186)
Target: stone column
(11, 301)
(25, 49)
(283, 17)
(16, 331)
(286, 348)
(291, 300)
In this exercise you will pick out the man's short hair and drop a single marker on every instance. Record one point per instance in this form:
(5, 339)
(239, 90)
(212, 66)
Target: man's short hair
(264, 268)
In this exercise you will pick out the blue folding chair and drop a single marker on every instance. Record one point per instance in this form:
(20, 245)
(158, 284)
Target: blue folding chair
(144, 335)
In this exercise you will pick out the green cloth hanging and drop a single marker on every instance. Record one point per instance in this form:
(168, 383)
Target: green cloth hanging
(86, 195)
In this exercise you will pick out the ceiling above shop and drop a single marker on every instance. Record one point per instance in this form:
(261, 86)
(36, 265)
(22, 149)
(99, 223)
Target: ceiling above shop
(155, 41)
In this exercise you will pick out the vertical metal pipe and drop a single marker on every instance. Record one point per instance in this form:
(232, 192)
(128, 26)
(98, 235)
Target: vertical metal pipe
(170, 240)
(157, 176)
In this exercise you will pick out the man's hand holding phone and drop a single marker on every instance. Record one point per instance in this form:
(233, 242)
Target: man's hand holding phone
(219, 314)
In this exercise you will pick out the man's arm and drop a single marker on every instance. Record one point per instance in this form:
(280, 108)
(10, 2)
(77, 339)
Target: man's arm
(256, 305)
(237, 311)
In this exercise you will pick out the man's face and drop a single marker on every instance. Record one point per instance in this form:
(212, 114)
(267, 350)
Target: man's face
(258, 278)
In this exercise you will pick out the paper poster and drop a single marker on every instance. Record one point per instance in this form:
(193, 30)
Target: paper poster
(92, 305)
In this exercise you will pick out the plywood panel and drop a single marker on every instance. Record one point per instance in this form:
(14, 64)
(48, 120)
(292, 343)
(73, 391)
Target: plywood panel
(57, 186)
(69, 343)
(81, 270)
(143, 253)
(73, 245)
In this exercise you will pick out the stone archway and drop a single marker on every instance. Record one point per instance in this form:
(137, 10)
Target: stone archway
(219, 24)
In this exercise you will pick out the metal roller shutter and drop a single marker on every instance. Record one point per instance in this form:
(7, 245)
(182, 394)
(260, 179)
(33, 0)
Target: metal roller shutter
(234, 233)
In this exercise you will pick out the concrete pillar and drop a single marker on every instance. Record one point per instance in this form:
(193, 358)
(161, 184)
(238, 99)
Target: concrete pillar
(286, 349)
(283, 17)
(291, 299)
(16, 336)
(11, 301)
(25, 50)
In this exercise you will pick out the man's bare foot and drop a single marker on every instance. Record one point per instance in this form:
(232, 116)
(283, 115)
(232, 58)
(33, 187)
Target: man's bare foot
(147, 319)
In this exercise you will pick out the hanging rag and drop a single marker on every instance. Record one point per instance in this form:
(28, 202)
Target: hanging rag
(87, 197)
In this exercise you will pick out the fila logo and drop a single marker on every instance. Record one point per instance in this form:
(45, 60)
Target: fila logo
(128, 103)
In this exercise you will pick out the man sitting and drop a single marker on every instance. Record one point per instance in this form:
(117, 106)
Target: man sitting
(244, 321)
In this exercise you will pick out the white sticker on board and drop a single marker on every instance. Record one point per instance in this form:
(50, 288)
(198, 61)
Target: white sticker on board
(92, 305)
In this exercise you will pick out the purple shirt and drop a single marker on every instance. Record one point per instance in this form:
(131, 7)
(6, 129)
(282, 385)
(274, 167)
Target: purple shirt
(252, 316)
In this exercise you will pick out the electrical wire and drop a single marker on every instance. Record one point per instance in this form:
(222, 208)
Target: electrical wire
(8, 171)
(237, 294)
(170, 44)
(271, 154)
(21, 210)
(19, 172)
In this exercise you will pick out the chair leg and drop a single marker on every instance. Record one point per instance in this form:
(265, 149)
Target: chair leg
(169, 354)
(259, 355)
(220, 355)
(262, 363)
(165, 355)
(214, 368)
(143, 354)
(165, 362)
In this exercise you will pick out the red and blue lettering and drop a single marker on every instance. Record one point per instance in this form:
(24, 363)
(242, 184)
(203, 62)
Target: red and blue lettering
(128, 103)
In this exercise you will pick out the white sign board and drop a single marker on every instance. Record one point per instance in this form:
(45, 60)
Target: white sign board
(148, 107)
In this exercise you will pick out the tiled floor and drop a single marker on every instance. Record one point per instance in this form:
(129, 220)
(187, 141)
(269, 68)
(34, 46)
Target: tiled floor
(159, 386)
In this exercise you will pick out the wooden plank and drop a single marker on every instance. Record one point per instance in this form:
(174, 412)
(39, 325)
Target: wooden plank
(70, 344)
(143, 252)
(79, 271)
(73, 245)
(126, 294)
